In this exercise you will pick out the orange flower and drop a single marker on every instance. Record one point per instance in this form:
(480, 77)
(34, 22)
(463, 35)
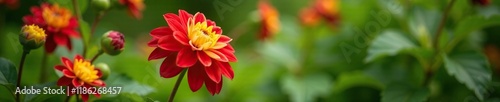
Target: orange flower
(79, 73)
(196, 43)
(327, 9)
(135, 7)
(270, 24)
(58, 23)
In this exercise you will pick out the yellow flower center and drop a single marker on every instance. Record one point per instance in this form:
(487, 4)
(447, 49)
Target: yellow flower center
(85, 71)
(33, 32)
(201, 36)
(56, 16)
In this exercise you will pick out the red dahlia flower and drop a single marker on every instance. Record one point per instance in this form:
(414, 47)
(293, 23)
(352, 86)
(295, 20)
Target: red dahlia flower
(269, 20)
(58, 23)
(79, 73)
(196, 43)
(327, 9)
(134, 7)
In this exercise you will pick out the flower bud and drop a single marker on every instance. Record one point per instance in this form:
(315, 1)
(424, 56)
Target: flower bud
(101, 5)
(32, 37)
(104, 68)
(113, 42)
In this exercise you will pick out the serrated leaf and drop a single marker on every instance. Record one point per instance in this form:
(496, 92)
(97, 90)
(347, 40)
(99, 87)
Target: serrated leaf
(8, 73)
(306, 88)
(388, 43)
(404, 93)
(471, 69)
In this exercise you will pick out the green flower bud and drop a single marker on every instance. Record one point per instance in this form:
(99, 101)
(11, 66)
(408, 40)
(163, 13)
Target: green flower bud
(104, 68)
(101, 5)
(32, 37)
(113, 42)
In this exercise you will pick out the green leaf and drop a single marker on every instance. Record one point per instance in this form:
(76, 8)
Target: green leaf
(128, 85)
(351, 79)
(82, 4)
(471, 69)
(470, 24)
(306, 88)
(404, 93)
(388, 43)
(8, 73)
(124, 97)
(41, 97)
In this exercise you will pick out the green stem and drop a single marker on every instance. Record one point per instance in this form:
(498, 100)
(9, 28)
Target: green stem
(79, 17)
(20, 72)
(429, 70)
(97, 55)
(77, 98)
(96, 22)
(43, 69)
(67, 98)
(179, 79)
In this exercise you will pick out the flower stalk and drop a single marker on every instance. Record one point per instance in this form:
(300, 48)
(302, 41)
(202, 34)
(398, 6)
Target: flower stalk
(179, 79)
(97, 55)
(20, 72)
(76, 10)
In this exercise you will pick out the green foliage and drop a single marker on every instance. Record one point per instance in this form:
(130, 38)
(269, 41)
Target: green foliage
(8, 71)
(389, 43)
(471, 69)
(404, 93)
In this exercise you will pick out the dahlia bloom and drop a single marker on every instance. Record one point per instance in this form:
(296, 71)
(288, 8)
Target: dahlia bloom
(196, 43)
(32, 37)
(270, 20)
(79, 73)
(58, 22)
(134, 7)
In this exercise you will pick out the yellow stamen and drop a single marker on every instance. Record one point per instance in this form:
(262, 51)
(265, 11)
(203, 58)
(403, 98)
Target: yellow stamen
(56, 16)
(201, 36)
(34, 33)
(85, 71)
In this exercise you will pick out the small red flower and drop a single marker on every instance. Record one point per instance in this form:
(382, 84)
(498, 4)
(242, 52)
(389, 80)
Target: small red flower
(58, 23)
(326, 9)
(79, 73)
(196, 43)
(270, 24)
(134, 7)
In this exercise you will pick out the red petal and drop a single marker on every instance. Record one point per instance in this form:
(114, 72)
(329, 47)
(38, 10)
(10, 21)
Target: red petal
(153, 42)
(196, 75)
(64, 81)
(71, 32)
(60, 39)
(212, 87)
(158, 53)
(204, 58)
(226, 69)
(50, 45)
(79, 57)
(217, 30)
(68, 44)
(181, 37)
(98, 83)
(184, 16)
(85, 97)
(199, 17)
(211, 23)
(77, 83)
(68, 73)
(169, 43)
(229, 54)
(186, 57)
(60, 67)
(168, 69)
(174, 22)
(214, 73)
(67, 63)
(160, 32)
(224, 39)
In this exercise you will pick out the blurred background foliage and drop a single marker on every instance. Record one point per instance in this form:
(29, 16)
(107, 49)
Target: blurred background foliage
(325, 62)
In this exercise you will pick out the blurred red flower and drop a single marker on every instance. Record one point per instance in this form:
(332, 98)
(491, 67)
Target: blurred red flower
(134, 7)
(58, 22)
(270, 24)
(79, 73)
(196, 43)
(11, 4)
(326, 9)
(481, 2)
